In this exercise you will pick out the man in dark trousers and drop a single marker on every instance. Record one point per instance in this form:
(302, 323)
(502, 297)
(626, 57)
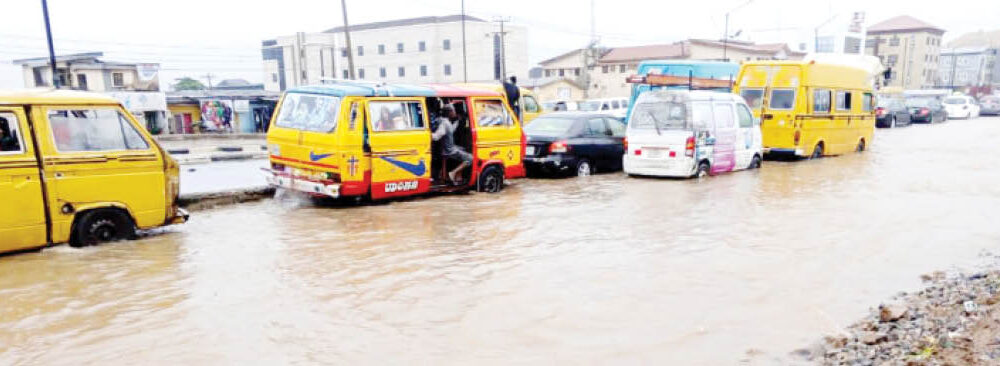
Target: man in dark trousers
(513, 95)
(444, 134)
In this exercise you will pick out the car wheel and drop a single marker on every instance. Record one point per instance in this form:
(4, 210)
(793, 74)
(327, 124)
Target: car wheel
(817, 152)
(583, 168)
(490, 180)
(703, 170)
(755, 163)
(102, 226)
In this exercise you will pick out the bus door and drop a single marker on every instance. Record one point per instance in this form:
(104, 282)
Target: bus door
(22, 211)
(498, 135)
(99, 155)
(400, 142)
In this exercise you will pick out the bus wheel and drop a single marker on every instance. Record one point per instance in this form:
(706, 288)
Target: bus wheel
(102, 226)
(703, 170)
(817, 152)
(490, 180)
(861, 146)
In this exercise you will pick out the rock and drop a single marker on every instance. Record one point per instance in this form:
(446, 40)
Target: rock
(891, 313)
(872, 338)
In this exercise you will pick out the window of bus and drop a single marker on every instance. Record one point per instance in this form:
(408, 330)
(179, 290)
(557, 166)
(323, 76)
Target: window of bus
(822, 99)
(844, 101)
(317, 113)
(491, 113)
(530, 104)
(10, 139)
(867, 102)
(782, 99)
(396, 116)
(105, 129)
(753, 96)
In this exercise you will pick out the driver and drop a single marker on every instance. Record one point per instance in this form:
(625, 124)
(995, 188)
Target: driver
(444, 133)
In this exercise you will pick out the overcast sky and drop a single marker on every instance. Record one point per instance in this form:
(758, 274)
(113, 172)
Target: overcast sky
(222, 37)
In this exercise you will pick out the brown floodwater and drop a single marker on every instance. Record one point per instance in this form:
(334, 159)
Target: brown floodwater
(607, 269)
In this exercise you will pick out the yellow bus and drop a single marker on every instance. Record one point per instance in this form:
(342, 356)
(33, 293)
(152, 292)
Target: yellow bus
(76, 167)
(810, 108)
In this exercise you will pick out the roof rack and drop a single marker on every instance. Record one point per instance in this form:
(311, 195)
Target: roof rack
(673, 80)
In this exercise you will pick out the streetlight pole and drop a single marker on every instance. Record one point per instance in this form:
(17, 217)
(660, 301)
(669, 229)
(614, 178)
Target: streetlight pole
(465, 57)
(48, 35)
(725, 37)
(347, 41)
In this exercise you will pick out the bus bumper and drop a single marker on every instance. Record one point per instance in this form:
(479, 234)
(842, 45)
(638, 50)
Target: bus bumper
(287, 181)
(786, 152)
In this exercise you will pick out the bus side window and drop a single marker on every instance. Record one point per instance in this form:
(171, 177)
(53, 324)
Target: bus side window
(821, 101)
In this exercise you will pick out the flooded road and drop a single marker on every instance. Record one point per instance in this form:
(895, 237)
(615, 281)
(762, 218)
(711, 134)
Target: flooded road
(607, 269)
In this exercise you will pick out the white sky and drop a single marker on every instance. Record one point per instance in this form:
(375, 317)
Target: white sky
(222, 37)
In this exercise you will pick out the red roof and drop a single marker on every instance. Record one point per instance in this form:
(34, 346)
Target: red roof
(638, 53)
(903, 23)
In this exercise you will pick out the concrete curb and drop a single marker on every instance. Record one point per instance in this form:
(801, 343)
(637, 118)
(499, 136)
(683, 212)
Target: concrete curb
(205, 201)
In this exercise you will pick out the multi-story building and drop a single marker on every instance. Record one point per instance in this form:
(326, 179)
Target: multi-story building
(136, 85)
(603, 71)
(968, 67)
(840, 34)
(417, 50)
(911, 48)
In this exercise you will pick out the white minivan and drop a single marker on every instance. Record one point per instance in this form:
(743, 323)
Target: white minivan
(616, 107)
(961, 106)
(679, 133)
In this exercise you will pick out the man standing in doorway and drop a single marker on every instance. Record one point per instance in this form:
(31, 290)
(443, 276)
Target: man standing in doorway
(444, 134)
(513, 95)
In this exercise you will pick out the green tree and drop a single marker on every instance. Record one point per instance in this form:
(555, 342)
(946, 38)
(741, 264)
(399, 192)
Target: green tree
(187, 83)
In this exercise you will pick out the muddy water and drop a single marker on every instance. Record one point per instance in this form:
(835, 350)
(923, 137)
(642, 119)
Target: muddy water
(606, 269)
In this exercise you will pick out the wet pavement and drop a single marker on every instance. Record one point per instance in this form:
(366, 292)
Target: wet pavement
(607, 269)
(225, 176)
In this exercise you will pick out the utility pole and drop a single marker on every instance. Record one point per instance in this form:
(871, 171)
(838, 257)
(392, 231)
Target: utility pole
(48, 35)
(954, 66)
(590, 53)
(347, 40)
(209, 78)
(465, 57)
(503, 47)
(725, 37)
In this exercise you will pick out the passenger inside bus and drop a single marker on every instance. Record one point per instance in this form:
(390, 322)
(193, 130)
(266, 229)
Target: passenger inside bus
(451, 138)
(8, 140)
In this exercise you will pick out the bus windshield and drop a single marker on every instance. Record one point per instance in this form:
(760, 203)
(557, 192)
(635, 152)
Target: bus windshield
(309, 112)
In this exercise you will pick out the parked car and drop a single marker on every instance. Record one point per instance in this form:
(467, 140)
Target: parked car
(990, 105)
(891, 113)
(574, 143)
(926, 110)
(616, 107)
(560, 106)
(961, 106)
(674, 133)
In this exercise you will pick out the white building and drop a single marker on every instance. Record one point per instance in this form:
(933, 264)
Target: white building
(417, 50)
(968, 66)
(136, 85)
(841, 33)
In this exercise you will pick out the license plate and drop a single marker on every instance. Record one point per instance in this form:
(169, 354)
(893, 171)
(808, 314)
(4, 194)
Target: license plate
(530, 150)
(654, 153)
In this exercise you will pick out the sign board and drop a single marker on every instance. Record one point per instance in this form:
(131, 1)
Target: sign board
(241, 105)
(141, 101)
(147, 72)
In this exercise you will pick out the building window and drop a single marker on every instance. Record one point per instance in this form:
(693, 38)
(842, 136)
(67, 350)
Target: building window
(447, 44)
(381, 49)
(576, 71)
(361, 73)
(81, 81)
(548, 73)
(562, 72)
(345, 75)
(423, 70)
(361, 50)
(117, 79)
(870, 43)
(621, 68)
(402, 71)
(381, 72)
(447, 69)
(894, 41)
(422, 46)
(891, 60)
(399, 48)
(343, 52)
(604, 69)
(274, 78)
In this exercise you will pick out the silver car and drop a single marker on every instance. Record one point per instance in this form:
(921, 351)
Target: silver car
(990, 105)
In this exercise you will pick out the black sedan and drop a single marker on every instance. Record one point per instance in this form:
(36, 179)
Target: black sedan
(926, 110)
(892, 113)
(574, 143)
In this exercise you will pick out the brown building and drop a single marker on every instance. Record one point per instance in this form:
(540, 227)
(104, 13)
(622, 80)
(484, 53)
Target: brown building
(910, 47)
